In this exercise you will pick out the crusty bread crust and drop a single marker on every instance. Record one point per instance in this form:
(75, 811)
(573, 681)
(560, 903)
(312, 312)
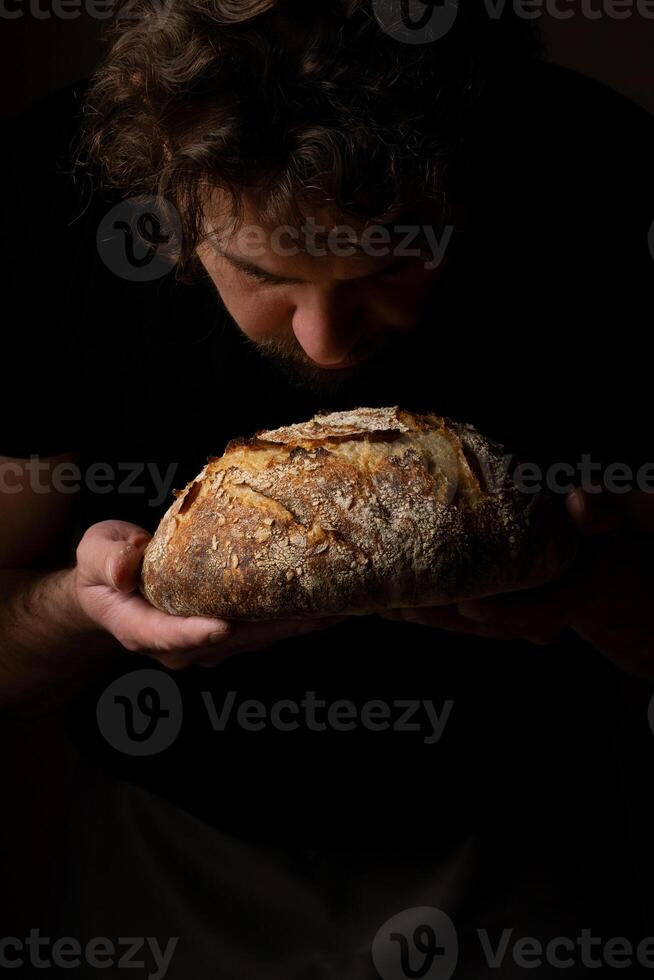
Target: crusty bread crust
(353, 512)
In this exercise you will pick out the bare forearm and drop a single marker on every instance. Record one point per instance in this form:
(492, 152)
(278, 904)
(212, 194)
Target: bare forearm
(49, 648)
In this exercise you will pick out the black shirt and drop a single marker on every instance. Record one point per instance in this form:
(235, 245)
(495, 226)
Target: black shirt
(536, 335)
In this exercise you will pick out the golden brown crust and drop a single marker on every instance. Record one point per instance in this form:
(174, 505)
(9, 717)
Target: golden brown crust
(353, 512)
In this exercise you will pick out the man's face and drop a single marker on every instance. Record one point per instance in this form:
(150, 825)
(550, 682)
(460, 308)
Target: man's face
(310, 297)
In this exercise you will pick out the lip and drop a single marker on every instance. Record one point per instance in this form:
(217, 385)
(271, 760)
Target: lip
(347, 366)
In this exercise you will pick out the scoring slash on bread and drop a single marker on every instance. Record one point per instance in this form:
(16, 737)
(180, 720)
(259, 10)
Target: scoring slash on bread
(353, 513)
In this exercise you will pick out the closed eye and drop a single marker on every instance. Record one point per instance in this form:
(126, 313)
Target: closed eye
(270, 280)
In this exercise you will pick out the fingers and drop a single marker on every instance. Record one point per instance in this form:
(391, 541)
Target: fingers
(595, 513)
(250, 636)
(123, 566)
(532, 615)
(441, 617)
(271, 631)
(517, 610)
(599, 513)
(178, 641)
(641, 510)
(110, 553)
(139, 627)
(499, 620)
(109, 559)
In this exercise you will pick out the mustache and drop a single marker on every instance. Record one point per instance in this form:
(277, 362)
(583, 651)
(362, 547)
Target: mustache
(298, 370)
(288, 351)
(288, 348)
(394, 367)
(289, 360)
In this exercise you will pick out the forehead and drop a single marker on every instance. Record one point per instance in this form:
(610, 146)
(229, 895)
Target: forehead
(335, 240)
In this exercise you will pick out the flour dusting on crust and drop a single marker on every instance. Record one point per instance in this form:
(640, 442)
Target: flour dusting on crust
(352, 513)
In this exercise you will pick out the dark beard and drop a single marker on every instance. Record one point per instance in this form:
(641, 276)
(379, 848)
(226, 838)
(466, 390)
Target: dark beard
(300, 372)
(313, 380)
(395, 372)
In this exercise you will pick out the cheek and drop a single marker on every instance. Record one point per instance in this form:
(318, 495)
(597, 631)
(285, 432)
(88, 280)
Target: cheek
(259, 312)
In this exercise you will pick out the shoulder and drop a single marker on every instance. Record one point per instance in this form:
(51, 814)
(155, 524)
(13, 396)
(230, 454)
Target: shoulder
(589, 113)
(568, 161)
(568, 117)
(585, 129)
(576, 90)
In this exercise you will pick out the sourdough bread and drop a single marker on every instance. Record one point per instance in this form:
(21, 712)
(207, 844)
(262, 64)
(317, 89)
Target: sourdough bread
(353, 512)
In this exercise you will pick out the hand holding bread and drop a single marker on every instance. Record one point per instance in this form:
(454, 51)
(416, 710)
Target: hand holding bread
(106, 579)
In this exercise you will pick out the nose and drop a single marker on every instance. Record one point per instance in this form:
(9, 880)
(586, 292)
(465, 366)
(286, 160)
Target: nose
(327, 326)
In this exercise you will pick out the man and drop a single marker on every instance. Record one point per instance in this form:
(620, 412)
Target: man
(244, 137)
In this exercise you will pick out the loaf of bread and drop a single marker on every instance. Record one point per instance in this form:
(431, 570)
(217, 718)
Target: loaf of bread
(353, 512)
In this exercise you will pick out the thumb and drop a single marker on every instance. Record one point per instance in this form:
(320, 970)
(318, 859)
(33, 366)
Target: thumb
(110, 553)
(124, 564)
(595, 512)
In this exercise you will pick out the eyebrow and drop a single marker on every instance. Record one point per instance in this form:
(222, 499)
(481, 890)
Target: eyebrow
(257, 270)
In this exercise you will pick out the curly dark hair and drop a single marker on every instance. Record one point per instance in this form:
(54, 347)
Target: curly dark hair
(295, 103)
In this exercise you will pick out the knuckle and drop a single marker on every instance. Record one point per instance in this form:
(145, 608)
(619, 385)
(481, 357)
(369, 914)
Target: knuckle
(101, 530)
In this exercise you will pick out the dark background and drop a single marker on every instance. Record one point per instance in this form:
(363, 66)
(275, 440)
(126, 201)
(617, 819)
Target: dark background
(39, 53)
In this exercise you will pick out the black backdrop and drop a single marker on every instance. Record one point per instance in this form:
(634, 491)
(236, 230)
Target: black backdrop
(39, 53)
